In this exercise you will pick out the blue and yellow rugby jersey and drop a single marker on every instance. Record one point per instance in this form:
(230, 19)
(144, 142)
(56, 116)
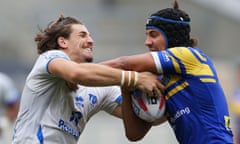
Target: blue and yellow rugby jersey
(196, 104)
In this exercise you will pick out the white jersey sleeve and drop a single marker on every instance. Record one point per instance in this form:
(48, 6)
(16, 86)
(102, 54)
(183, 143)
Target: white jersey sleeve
(157, 62)
(111, 97)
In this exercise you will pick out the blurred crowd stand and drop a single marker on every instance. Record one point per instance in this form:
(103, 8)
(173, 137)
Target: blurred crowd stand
(9, 106)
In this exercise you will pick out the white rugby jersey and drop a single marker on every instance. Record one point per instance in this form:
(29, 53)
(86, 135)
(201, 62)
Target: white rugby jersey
(47, 112)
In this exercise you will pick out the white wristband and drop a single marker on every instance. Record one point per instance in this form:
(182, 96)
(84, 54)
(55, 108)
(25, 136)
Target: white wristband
(129, 78)
(135, 78)
(123, 78)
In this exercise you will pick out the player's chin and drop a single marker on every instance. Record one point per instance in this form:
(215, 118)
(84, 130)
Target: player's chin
(89, 59)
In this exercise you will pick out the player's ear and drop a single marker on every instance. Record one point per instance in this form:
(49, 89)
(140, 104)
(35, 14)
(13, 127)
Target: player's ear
(62, 42)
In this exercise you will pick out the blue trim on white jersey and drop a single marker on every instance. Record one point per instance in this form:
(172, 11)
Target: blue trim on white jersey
(40, 135)
(119, 99)
(50, 55)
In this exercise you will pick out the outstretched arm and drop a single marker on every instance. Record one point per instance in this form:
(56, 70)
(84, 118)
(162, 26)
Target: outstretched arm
(90, 74)
(140, 63)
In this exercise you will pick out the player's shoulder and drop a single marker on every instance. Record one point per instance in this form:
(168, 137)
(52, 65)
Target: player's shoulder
(182, 50)
(185, 52)
(54, 54)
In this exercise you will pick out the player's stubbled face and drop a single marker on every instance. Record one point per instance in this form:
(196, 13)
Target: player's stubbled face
(81, 44)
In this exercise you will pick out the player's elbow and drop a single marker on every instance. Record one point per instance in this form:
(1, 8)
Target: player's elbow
(73, 76)
(76, 76)
(134, 137)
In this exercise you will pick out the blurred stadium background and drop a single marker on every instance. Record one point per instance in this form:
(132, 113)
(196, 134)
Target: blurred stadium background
(117, 27)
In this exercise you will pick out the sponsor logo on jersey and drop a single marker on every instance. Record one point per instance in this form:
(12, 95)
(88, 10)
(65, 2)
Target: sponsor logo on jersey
(180, 113)
(177, 115)
(67, 125)
(92, 99)
(165, 56)
(79, 101)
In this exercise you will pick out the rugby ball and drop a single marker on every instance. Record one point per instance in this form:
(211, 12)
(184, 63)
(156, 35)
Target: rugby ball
(148, 108)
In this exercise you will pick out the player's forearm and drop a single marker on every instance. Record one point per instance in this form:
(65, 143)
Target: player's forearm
(97, 75)
(100, 75)
(115, 63)
(140, 63)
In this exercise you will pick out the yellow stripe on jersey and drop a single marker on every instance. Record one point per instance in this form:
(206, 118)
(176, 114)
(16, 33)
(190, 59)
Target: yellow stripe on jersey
(176, 65)
(191, 63)
(199, 55)
(208, 80)
(227, 122)
(176, 89)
